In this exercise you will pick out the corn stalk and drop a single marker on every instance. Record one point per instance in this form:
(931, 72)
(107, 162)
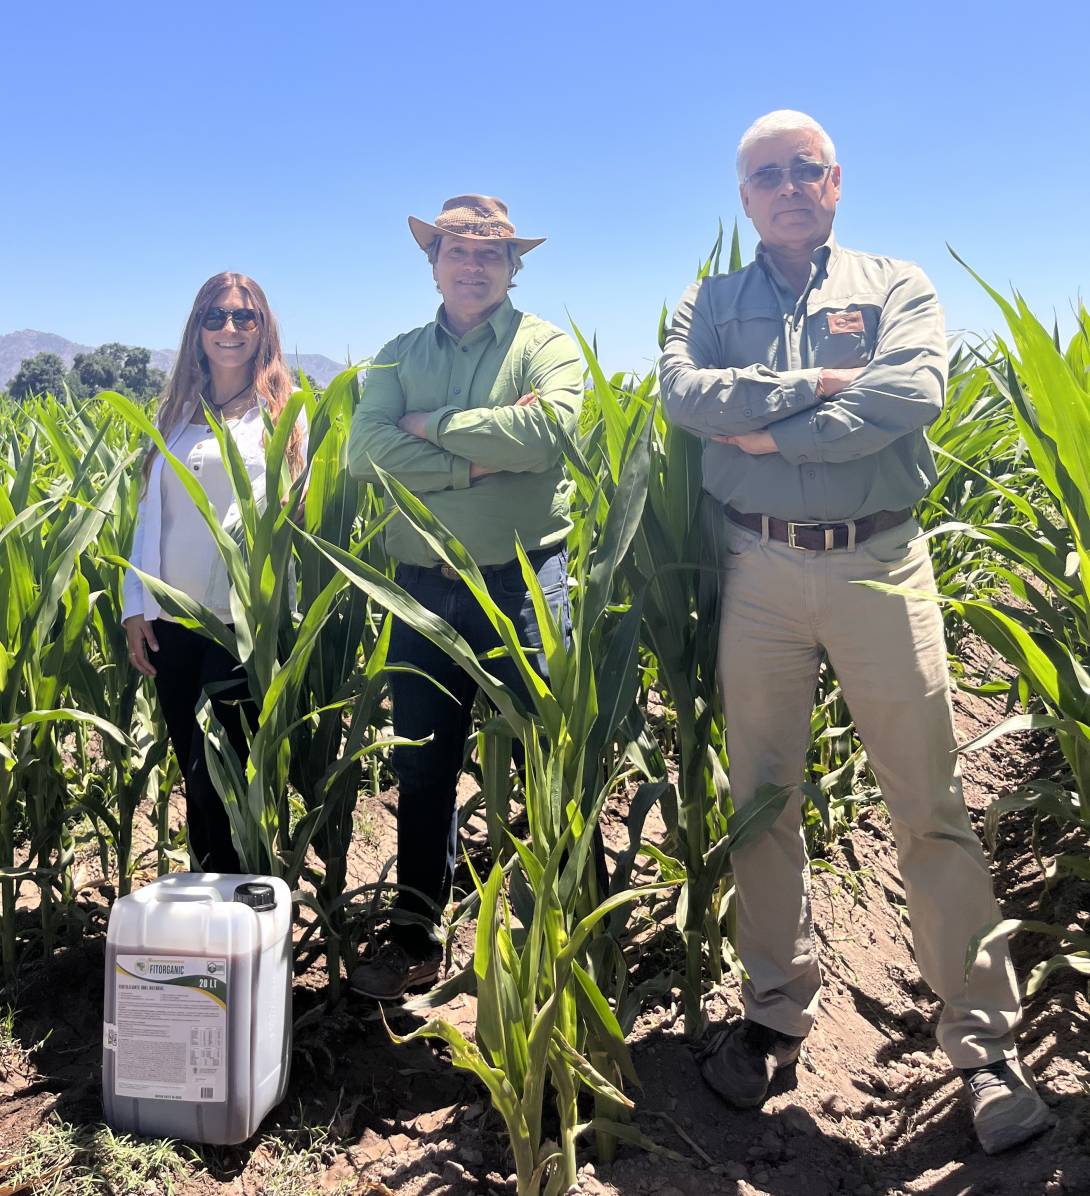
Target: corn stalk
(45, 604)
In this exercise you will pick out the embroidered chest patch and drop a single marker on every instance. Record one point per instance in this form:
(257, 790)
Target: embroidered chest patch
(845, 321)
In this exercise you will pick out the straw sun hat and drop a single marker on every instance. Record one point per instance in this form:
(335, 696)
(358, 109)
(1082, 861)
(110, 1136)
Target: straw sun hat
(476, 217)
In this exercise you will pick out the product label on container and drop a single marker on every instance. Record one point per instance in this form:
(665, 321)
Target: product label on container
(170, 1027)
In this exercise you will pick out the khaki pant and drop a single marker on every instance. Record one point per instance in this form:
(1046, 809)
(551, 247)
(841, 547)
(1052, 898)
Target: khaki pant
(781, 608)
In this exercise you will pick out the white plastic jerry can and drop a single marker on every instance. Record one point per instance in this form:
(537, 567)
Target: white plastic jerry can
(197, 1021)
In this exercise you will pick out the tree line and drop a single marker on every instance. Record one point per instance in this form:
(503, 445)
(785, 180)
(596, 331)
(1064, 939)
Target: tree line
(109, 367)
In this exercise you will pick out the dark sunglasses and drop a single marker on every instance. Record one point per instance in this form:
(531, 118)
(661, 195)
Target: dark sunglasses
(768, 178)
(243, 318)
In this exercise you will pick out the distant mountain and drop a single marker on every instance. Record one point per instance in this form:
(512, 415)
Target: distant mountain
(321, 369)
(16, 347)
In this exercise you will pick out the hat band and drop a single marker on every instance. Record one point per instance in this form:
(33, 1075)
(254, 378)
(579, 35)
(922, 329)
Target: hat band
(476, 228)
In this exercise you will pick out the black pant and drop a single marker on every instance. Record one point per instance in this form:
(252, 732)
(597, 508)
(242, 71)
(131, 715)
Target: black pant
(186, 664)
(427, 816)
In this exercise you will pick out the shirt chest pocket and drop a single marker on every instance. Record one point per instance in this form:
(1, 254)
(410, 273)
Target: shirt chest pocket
(755, 338)
(844, 337)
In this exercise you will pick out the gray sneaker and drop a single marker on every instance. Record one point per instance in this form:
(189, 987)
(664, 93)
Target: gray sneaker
(1005, 1105)
(391, 971)
(741, 1061)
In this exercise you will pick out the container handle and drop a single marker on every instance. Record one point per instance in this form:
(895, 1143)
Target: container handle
(189, 893)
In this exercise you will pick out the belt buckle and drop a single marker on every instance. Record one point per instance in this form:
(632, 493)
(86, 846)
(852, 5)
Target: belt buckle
(450, 573)
(792, 528)
(830, 530)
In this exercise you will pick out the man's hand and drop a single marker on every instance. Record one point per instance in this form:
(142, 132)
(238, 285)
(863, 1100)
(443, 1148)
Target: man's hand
(832, 382)
(481, 471)
(414, 422)
(754, 443)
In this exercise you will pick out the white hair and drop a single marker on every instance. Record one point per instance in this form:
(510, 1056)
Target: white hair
(783, 120)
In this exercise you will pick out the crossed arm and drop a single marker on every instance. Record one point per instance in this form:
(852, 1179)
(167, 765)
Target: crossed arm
(815, 414)
(829, 383)
(376, 438)
(451, 447)
(415, 423)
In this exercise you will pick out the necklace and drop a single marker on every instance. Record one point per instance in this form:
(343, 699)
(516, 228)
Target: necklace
(221, 408)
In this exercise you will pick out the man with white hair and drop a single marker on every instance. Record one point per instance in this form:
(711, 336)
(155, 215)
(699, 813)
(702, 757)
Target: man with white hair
(812, 374)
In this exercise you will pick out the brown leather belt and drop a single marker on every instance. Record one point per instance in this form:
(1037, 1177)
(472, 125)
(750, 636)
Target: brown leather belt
(819, 537)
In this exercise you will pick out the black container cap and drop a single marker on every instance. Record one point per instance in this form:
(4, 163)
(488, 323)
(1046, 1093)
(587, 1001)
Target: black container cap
(256, 894)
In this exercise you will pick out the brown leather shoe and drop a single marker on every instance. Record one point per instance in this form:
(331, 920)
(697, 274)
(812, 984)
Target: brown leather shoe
(391, 972)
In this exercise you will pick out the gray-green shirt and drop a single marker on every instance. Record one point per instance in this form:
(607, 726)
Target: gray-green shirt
(744, 354)
(470, 386)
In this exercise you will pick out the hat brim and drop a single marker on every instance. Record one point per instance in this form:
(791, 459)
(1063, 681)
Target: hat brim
(424, 233)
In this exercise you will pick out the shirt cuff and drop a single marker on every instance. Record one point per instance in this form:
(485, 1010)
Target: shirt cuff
(460, 473)
(805, 389)
(434, 427)
(796, 439)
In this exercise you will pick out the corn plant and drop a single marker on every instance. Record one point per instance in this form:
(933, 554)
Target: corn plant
(345, 679)
(671, 575)
(542, 1008)
(1009, 524)
(45, 607)
(1049, 642)
(121, 774)
(979, 455)
(541, 1012)
(298, 786)
(1046, 547)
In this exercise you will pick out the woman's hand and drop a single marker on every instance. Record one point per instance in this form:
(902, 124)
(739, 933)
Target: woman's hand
(141, 637)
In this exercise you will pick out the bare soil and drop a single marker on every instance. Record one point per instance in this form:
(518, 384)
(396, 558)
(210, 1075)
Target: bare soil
(871, 1108)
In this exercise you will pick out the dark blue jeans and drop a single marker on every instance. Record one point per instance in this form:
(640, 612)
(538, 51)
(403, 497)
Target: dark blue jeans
(427, 813)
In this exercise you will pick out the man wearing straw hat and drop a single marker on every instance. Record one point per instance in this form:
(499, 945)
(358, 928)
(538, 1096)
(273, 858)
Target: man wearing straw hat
(812, 374)
(455, 411)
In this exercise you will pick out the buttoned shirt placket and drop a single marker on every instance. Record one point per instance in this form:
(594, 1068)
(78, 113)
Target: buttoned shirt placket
(796, 351)
(469, 351)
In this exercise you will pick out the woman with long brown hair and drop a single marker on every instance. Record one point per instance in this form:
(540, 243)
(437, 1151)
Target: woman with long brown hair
(229, 369)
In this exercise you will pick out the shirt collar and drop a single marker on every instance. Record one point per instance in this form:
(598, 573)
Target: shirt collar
(821, 256)
(499, 321)
(822, 259)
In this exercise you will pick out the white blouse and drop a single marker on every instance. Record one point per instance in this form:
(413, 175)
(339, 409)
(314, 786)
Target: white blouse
(189, 559)
(169, 528)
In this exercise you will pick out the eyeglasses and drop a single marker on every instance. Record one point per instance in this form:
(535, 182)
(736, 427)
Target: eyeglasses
(243, 318)
(768, 178)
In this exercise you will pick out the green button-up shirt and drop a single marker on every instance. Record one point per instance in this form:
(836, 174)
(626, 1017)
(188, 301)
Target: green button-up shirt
(744, 353)
(469, 386)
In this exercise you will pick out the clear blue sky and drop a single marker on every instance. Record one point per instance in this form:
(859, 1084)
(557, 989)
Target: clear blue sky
(149, 145)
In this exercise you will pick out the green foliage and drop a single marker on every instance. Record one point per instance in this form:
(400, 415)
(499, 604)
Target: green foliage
(59, 1159)
(116, 367)
(109, 367)
(80, 738)
(1020, 457)
(44, 373)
